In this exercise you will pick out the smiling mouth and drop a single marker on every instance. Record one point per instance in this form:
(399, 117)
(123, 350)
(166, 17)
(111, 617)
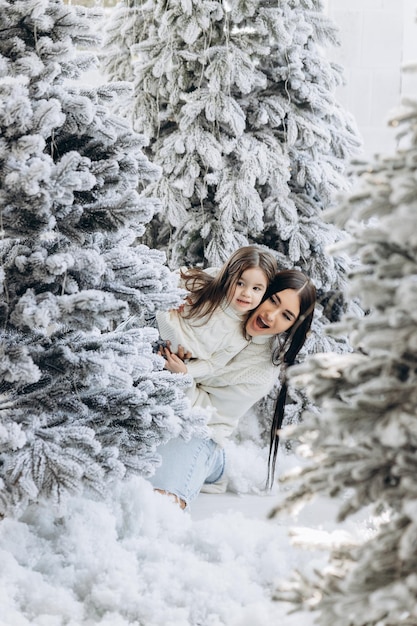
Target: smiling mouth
(260, 322)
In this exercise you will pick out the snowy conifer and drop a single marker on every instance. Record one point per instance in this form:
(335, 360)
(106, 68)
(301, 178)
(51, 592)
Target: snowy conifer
(362, 445)
(80, 400)
(237, 101)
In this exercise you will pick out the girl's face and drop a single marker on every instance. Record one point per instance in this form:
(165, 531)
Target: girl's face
(249, 290)
(275, 315)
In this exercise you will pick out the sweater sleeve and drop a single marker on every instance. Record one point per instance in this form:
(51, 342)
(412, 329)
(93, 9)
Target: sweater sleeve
(204, 368)
(200, 367)
(212, 341)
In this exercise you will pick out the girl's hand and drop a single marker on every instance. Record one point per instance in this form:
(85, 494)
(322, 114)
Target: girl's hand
(183, 354)
(173, 363)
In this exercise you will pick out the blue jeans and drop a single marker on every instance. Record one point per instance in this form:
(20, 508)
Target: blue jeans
(187, 465)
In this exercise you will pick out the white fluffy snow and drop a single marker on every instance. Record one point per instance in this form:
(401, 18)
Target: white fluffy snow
(138, 560)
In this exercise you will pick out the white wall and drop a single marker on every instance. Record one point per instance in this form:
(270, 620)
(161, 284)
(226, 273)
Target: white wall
(409, 80)
(377, 36)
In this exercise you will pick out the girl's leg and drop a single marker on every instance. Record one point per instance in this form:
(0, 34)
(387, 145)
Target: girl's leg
(186, 465)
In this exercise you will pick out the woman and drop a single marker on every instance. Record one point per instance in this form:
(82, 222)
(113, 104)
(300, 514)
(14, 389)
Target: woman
(277, 330)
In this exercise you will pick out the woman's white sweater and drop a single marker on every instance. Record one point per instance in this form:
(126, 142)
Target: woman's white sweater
(236, 387)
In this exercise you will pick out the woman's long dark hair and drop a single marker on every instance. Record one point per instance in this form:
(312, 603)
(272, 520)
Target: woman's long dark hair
(287, 352)
(207, 292)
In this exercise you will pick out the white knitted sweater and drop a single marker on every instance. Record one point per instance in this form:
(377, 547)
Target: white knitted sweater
(237, 386)
(212, 341)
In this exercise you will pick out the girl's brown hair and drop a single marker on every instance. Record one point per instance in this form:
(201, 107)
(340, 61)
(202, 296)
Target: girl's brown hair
(287, 351)
(207, 292)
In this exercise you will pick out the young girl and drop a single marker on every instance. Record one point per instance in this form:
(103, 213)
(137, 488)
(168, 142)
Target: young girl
(277, 330)
(209, 325)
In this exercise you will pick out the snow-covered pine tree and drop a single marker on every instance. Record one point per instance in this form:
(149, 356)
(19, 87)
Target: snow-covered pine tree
(362, 445)
(80, 400)
(238, 103)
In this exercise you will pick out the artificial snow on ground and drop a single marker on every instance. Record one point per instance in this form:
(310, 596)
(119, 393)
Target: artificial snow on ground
(137, 559)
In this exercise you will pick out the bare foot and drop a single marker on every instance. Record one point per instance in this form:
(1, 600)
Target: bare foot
(173, 497)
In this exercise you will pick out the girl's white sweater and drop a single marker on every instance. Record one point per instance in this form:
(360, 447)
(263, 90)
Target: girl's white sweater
(212, 341)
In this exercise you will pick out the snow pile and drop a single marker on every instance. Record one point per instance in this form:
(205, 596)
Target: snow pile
(137, 559)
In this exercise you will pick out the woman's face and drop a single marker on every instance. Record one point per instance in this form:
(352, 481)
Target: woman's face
(275, 315)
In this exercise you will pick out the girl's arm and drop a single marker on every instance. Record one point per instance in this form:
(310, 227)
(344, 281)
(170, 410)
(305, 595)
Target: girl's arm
(213, 340)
